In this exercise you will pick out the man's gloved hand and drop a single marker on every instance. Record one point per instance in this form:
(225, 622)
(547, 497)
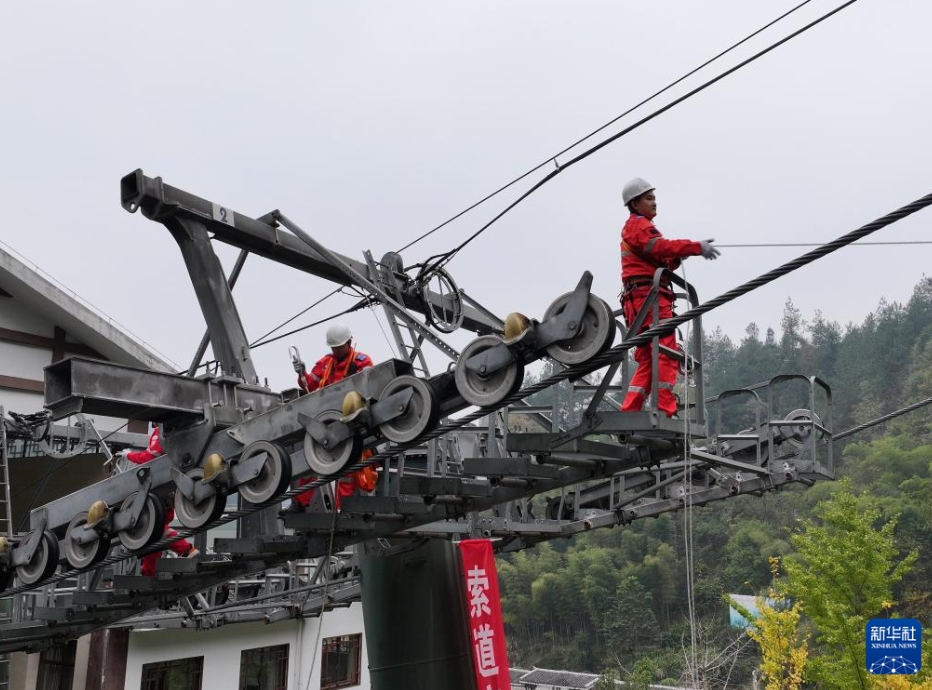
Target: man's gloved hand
(112, 466)
(708, 251)
(298, 366)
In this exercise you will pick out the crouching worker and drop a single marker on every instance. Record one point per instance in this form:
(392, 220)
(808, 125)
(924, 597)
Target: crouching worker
(342, 361)
(182, 548)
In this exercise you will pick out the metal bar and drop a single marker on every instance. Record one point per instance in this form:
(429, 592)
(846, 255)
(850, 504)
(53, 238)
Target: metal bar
(227, 336)
(205, 341)
(95, 387)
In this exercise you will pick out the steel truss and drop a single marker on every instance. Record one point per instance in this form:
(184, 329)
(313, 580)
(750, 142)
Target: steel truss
(227, 435)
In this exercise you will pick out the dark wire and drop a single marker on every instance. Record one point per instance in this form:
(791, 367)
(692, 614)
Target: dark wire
(359, 305)
(303, 311)
(607, 124)
(445, 258)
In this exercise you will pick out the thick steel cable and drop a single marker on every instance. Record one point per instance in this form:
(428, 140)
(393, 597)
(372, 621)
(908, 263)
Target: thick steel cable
(607, 124)
(445, 258)
(608, 357)
(881, 420)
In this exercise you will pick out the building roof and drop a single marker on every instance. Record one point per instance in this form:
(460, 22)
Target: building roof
(516, 673)
(83, 324)
(562, 679)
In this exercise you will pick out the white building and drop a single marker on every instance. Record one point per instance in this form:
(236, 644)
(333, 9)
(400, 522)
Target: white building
(41, 324)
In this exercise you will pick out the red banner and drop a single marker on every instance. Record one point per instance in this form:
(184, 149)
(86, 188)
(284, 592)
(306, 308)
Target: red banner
(483, 605)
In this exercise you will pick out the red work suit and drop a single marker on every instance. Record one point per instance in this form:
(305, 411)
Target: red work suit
(328, 370)
(182, 547)
(643, 251)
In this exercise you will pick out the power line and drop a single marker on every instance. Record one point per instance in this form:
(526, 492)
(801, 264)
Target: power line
(446, 257)
(355, 307)
(300, 313)
(607, 124)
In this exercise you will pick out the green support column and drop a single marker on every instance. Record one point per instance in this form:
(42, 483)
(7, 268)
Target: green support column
(417, 634)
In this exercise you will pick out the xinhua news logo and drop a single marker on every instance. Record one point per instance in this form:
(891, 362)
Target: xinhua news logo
(894, 646)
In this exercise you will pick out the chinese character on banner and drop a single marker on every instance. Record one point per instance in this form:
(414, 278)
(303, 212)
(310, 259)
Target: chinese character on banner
(484, 612)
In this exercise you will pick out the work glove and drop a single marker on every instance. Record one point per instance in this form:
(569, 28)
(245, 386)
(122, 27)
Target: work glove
(298, 366)
(708, 251)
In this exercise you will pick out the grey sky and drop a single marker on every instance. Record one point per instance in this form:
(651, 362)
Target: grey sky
(370, 122)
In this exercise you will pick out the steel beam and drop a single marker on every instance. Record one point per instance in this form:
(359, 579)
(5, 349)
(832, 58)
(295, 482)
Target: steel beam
(160, 202)
(78, 384)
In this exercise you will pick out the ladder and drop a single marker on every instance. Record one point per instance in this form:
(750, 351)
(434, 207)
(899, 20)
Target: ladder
(6, 530)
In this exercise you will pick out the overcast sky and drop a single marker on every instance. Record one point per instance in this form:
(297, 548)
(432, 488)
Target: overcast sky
(369, 123)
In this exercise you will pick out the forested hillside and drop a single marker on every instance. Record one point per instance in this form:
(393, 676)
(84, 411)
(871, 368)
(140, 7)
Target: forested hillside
(616, 600)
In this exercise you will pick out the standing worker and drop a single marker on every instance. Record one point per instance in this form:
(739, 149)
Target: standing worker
(182, 547)
(643, 251)
(342, 361)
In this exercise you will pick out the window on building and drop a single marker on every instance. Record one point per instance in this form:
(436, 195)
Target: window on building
(56, 667)
(265, 668)
(339, 666)
(177, 674)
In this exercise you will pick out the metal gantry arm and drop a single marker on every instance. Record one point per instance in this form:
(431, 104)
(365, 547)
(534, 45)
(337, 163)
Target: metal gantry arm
(160, 202)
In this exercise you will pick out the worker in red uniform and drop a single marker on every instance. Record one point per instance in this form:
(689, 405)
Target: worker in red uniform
(342, 361)
(643, 251)
(182, 548)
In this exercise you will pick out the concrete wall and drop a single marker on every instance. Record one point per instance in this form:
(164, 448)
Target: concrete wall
(222, 648)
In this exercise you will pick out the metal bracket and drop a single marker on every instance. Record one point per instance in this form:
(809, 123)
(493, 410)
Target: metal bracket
(390, 408)
(327, 435)
(192, 490)
(567, 323)
(24, 554)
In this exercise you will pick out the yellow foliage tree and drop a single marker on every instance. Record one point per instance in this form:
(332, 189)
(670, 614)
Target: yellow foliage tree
(784, 648)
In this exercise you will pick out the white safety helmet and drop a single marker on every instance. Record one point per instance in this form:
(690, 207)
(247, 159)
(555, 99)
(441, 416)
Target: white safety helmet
(338, 334)
(634, 189)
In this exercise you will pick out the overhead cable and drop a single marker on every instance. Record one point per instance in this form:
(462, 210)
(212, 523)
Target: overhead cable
(359, 305)
(615, 119)
(285, 323)
(446, 257)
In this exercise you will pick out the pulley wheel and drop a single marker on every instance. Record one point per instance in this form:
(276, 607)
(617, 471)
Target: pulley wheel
(486, 389)
(596, 332)
(43, 563)
(419, 416)
(81, 555)
(148, 528)
(195, 515)
(798, 434)
(329, 461)
(274, 476)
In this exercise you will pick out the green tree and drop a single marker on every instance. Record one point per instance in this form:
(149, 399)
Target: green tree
(630, 626)
(843, 574)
